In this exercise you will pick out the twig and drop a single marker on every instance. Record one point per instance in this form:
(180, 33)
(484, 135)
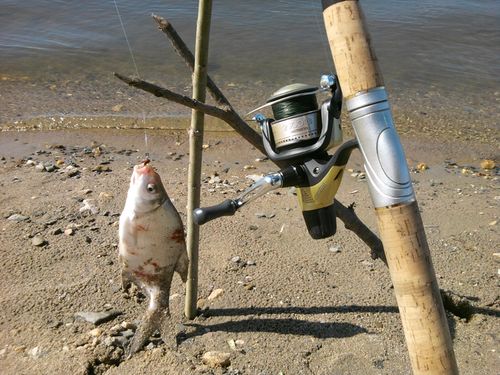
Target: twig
(184, 52)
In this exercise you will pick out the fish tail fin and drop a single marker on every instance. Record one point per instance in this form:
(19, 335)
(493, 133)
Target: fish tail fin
(156, 317)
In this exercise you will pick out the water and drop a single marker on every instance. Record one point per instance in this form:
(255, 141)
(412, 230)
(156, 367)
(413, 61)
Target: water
(448, 46)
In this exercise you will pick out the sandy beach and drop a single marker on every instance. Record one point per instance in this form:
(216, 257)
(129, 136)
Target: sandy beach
(273, 299)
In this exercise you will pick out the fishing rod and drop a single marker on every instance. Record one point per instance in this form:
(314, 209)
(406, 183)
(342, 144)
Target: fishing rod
(400, 224)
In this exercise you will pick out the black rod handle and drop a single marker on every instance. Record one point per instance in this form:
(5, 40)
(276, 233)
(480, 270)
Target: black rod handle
(205, 214)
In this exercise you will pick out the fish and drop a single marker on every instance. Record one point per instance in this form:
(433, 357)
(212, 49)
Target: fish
(151, 248)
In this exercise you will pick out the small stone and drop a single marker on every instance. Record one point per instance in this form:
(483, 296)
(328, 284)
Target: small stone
(205, 146)
(422, 167)
(19, 348)
(72, 172)
(30, 163)
(250, 263)
(97, 317)
(40, 167)
(232, 344)
(494, 222)
(128, 325)
(201, 303)
(334, 249)
(17, 218)
(89, 206)
(117, 108)
(69, 231)
(216, 359)
(239, 342)
(150, 346)
(118, 341)
(128, 333)
(253, 227)
(488, 164)
(35, 352)
(50, 168)
(249, 286)
(38, 241)
(105, 196)
(248, 167)
(215, 294)
(96, 332)
(236, 259)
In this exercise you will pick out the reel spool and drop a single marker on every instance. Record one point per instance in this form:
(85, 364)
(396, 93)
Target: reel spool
(300, 127)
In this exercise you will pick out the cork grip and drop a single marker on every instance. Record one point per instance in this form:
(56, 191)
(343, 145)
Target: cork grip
(355, 61)
(400, 225)
(417, 292)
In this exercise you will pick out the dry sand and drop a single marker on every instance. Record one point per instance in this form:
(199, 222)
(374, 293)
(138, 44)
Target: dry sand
(289, 304)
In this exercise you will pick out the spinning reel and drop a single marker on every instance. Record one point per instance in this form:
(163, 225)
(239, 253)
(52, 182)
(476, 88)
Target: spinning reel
(300, 135)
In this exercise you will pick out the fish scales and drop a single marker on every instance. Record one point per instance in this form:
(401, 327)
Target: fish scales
(151, 247)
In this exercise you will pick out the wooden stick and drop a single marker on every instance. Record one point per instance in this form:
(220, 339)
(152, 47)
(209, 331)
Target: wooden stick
(195, 153)
(400, 225)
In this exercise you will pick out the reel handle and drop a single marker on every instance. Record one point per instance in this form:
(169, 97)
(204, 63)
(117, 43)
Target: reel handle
(203, 215)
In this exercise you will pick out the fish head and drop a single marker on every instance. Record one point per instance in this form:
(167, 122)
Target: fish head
(146, 191)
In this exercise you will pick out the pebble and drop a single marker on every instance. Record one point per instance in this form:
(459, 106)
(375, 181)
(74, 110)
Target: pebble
(216, 359)
(30, 162)
(35, 352)
(40, 167)
(50, 168)
(232, 344)
(117, 108)
(69, 232)
(215, 294)
(422, 167)
(487, 164)
(97, 317)
(235, 259)
(247, 167)
(38, 241)
(17, 218)
(119, 341)
(494, 222)
(96, 332)
(334, 249)
(128, 333)
(89, 205)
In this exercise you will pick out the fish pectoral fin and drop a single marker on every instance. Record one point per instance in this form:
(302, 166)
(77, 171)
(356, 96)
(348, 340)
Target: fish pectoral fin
(182, 265)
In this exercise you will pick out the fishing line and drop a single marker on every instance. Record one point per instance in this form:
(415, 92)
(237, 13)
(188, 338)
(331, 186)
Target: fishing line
(131, 52)
(126, 38)
(324, 40)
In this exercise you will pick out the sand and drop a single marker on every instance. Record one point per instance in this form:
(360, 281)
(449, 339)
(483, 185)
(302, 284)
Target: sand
(285, 304)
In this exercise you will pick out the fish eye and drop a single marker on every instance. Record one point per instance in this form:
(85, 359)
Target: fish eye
(151, 188)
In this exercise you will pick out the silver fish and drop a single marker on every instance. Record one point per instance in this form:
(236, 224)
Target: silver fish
(151, 248)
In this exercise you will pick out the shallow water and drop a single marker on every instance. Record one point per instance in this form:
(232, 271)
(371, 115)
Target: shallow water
(447, 47)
